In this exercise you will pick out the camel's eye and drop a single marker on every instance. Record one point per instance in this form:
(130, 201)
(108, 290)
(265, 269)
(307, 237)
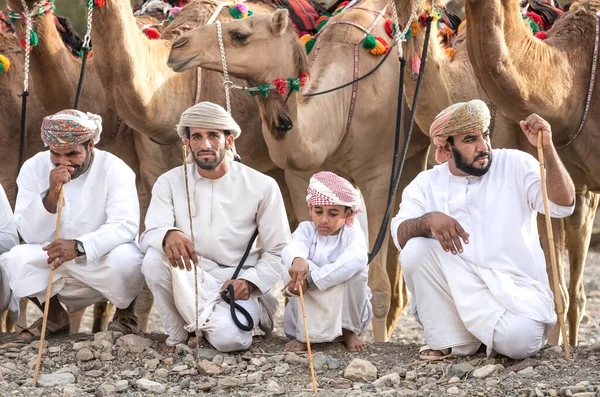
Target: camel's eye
(239, 36)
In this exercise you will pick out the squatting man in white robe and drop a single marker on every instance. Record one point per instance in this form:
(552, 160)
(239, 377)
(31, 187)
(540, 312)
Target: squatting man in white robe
(95, 256)
(470, 250)
(8, 239)
(327, 258)
(228, 202)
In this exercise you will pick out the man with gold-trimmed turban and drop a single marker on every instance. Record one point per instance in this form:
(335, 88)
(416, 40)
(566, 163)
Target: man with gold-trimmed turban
(228, 202)
(467, 232)
(95, 256)
(327, 258)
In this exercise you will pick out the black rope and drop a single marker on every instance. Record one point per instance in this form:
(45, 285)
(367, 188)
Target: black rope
(85, 52)
(353, 81)
(229, 296)
(397, 173)
(23, 127)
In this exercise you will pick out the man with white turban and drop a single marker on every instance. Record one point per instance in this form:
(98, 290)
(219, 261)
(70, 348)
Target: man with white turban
(327, 258)
(95, 256)
(228, 203)
(467, 230)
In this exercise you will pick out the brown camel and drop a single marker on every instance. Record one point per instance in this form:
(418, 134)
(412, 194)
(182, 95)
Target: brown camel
(52, 58)
(294, 129)
(522, 75)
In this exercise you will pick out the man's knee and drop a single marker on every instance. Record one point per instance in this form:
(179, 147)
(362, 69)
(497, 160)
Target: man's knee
(414, 252)
(519, 337)
(232, 341)
(154, 268)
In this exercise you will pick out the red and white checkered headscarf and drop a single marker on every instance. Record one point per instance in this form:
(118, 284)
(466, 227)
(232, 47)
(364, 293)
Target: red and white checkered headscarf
(326, 188)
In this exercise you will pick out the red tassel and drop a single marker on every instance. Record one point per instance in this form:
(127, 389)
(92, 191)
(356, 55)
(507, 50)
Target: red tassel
(303, 79)
(280, 85)
(152, 33)
(99, 3)
(541, 35)
(23, 44)
(416, 64)
(535, 18)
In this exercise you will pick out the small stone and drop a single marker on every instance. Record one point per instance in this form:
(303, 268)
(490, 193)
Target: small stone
(294, 359)
(134, 343)
(255, 361)
(168, 361)
(85, 354)
(182, 349)
(276, 359)
(454, 379)
(572, 389)
(70, 391)
(360, 370)
(148, 385)
(255, 377)
(555, 350)
(528, 362)
(217, 360)
(230, 361)
(585, 394)
(55, 379)
(80, 345)
(206, 386)
(161, 373)
(100, 337)
(273, 387)
(206, 367)
(180, 368)
(152, 364)
(106, 356)
(460, 370)
(341, 383)
(54, 349)
(484, 371)
(282, 368)
(590, 388)
(320, 361)
(389, 380)
(552, 393)
(526, 371)
(453, 390)
(596, 346)
(184, 384)
(400, 371)
(121, 385)
(94, 373)
(173, 391)
(205, 354)
(106, 389)
(538, 392)
(410, 375)
(229, 381)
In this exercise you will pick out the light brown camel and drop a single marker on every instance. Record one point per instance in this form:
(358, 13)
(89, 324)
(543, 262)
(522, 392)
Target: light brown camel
(305, 133)
(54, 78)
(522, 75)
(11, 87)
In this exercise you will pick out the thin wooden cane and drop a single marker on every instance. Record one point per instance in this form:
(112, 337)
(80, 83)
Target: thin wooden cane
(187, 191)
(48, 290)
(310, 359)
(557, 296)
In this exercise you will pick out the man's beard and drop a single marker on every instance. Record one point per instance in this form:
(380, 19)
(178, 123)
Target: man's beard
(208, 164)
(470, 169)
(80, 169)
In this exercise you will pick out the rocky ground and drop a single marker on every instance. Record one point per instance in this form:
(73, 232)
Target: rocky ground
(107, 364)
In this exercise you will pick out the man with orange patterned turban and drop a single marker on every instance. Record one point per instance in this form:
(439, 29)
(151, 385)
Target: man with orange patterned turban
(467, 232)
(95, 256)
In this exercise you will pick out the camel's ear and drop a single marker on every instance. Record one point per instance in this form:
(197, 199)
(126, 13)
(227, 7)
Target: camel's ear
(279, 21)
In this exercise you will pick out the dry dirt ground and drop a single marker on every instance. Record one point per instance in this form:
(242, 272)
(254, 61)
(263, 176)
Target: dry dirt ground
(103, 365)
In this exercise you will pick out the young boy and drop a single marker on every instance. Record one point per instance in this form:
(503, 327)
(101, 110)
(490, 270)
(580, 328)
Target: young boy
(327, 258)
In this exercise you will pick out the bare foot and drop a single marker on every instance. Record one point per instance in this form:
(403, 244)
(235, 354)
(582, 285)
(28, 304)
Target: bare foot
(432, 353)
(294, 346)
(353, 342)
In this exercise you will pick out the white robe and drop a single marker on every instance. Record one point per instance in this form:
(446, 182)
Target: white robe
(338, 268)
(226, 212)
(8, 239)
(504, 255)
(101, 210)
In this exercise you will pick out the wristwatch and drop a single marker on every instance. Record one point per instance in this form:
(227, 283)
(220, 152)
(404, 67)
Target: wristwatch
(79, 248)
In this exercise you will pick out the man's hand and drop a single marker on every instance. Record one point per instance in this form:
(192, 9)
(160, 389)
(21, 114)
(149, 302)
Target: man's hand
(532, 125)
(61, 250)
(447, 231)
(299, 274)
(241, 288)
(179, 250)
(58, 177)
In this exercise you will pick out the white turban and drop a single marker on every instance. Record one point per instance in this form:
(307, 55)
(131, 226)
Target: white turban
(210, 116)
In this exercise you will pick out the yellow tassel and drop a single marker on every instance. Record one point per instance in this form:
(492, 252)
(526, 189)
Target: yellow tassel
(304, 39)
(379, 49)
(5, 64)
(450, 52)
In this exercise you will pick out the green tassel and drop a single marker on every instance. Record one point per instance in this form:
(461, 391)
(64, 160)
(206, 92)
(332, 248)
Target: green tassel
(235, 13)
(310, 44)
(321, 24)
(264, 90)
(408, 34)
(33, 40)
(294, 84)
(250, 13)
(370, 42)
(1, 68)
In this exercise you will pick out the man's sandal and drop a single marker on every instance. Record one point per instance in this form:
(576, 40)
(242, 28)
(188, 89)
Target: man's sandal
(124, 322)
(52, 329)
(445, 353)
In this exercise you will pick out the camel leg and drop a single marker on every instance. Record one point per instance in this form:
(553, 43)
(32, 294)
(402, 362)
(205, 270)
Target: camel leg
(559, 245)
(102, 315)
(75, 320)
(578, 229)
(290, 206)
(412, 167)
(22, 320)
(3, 318)
(143, 307)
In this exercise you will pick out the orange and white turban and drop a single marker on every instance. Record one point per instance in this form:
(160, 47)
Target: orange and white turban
(70, 127)
(460, 118)
(327, 188)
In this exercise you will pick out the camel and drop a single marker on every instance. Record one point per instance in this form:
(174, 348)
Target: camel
(523, 75)
(52, 58)
(294, 127)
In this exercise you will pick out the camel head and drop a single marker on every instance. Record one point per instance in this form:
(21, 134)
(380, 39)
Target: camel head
(258, 48)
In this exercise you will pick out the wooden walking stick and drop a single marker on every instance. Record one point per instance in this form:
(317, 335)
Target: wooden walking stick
(557, 297)
(187, 191)
(310, 359)
(48, 290)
